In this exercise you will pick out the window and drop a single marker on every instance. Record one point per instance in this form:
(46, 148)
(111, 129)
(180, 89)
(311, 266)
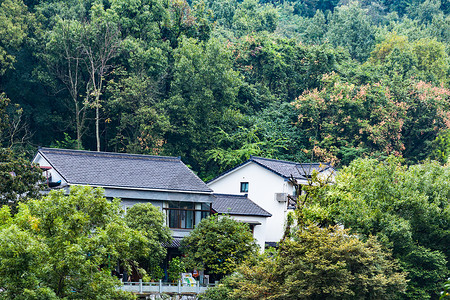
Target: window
(184, 215)
(244, 187)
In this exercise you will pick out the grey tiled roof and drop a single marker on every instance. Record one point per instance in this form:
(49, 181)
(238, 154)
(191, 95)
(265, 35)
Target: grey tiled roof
(288, 168)
(123, 170)
(176, 243)
(237, 205)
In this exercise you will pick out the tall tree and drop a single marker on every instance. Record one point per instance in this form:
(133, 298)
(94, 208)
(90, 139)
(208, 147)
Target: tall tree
(351, 28)
(405, 207)
(317, 263)
(64, 58)
(219, 245)
(65, 246)
(14, 17)
(100, 44)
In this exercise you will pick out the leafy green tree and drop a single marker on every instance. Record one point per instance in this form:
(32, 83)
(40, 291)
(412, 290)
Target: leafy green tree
(282, 67)
(441, 147)
(176, 267)
(445, 294)
(406, 208)
(222, 11)
(150, 221)
(236, 148)
(316, 30)
(67, 246)
(15, 18)
(425, 59)
(137, 113)
(351, 28)
(203, 98)
(317, 263)
(218, 244)
(252, 17)
(19, 179)
(21, 256)
(309, 8)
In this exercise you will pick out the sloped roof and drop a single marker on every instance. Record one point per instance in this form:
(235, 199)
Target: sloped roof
(237, 205)
(282, 168)
(287, 168)
(123, 170)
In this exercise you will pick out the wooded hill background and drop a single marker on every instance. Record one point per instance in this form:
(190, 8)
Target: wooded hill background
(215, 81)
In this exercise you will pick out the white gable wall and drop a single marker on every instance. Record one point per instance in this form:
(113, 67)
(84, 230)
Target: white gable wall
(39, 159)
(259, 231)
(263, 184)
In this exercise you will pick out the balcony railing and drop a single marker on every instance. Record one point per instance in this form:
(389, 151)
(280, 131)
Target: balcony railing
(164, 287)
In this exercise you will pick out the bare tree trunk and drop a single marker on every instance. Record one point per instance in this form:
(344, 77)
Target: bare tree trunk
(97, 124)
(97, 57)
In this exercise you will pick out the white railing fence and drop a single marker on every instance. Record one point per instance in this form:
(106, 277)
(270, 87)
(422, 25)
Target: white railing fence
(164, 287)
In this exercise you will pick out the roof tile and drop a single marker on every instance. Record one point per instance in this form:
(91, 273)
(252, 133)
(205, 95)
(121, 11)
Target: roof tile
(123, 170)
(237, 205)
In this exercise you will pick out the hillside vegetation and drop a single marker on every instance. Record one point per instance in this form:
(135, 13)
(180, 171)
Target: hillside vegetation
(217, 81)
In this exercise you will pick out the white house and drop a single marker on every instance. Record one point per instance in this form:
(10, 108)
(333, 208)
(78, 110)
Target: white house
(164, 181)
(266, 182)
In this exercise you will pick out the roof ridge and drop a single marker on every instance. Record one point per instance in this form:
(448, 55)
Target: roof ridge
(234, 195)
(288, 161)
(110, 154)
(273, 159)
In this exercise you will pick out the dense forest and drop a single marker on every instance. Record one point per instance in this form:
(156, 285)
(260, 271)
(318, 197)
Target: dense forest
(362, 84)
(215, 81)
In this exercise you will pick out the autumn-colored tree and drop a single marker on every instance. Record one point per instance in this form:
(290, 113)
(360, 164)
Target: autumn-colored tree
(344, 120)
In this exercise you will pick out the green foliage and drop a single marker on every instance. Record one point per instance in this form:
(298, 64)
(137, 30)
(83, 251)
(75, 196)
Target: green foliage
(426, 59)
(155, 271)
(238, 147)
(251, 17)
(203, 95)
(344, 120)
(218, 244)
(150, 221)
(176, 267)
(284, 67)
(14, 20)
(19, 179)
(446, 293)
(441, 147)
(65, 247)
(351, 28)
(406, 208)
(4, 101)
(317, 263)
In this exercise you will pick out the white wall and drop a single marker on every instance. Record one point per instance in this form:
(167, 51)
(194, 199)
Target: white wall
(263, 184)
(259, 230)
(44, 163)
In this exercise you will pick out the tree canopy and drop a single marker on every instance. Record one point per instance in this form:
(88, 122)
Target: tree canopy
(65, 247)
(218, 244)
(317, 263)
(407, 208)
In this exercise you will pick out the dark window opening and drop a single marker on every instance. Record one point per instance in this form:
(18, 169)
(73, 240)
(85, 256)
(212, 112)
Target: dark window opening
(183, 215)
(244, 187)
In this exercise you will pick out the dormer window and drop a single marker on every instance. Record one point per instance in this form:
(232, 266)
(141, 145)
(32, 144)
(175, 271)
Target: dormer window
(244, 187)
